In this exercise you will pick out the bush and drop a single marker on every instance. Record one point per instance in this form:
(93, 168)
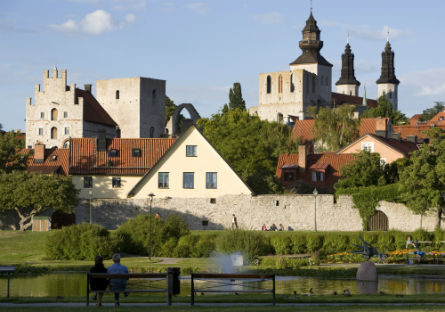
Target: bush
(314, 242)
(252, 244)
(81, 242)
(135, 235)
(204, 247)
(422, 235)
(298, 243)
(282, 244)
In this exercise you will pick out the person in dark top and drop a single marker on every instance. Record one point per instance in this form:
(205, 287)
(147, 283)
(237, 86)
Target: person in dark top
(98, 284)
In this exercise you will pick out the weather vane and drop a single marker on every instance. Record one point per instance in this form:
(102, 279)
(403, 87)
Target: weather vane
(311, 6)
(347, 38)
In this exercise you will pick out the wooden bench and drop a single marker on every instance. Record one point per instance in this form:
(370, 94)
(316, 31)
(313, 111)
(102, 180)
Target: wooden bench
(231, 277)
(169, 278)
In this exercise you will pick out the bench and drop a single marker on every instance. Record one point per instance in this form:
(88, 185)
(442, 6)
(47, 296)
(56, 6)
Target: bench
(171, 283)
(7, 270)
(231, 278)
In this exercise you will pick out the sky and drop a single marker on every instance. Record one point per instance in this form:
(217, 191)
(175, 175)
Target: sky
(202, 47)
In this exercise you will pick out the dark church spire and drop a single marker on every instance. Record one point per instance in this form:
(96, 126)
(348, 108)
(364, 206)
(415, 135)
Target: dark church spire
(347, 68)
(388, 73)
(311, 44)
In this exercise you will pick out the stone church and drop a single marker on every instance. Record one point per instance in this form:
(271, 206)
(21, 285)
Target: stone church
(285, 95)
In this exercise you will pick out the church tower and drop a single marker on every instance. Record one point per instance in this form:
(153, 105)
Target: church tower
(388, 83)
(347, 84)
(312, 61)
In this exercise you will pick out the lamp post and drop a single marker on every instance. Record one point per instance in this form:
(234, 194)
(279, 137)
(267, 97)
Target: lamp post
(315, 192)
(90, 192)
(151, 195)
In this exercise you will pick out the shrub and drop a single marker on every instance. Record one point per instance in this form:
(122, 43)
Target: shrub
(336, 242)
(385, 241)
(282, 244)
(135, 234)
(298, 243)
(422, 235)
(314, 242)
(81, 242)
(204, 247)
(251, 243)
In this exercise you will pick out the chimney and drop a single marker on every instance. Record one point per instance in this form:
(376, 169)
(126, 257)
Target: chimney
(87, 87)
(411, 138)
(39, 153)
(381, 127)
(101, 140)
(302, 155)
(396, 136)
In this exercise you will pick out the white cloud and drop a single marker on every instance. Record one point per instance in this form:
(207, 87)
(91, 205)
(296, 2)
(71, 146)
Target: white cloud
(198, 7)
(367, 32)
(269, 18)
(94, 23)
(427, 82)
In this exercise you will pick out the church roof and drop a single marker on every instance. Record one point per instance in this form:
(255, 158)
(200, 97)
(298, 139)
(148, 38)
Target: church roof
(347, 68)
(388, 74)
(340, 99)
(311, 58)
(311, 25)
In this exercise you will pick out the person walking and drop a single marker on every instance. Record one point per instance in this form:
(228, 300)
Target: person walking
(234, 222)
(117, 284)
(98, 284)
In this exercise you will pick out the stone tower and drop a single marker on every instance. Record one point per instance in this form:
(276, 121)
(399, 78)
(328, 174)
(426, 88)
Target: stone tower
(388, 83)
(347, 84)
(312, 61)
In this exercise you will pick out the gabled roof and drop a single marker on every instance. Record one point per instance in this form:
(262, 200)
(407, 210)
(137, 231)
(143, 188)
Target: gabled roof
(369, 125)
(415, 119)
(303, 129)
(86, 159)
(418, 129)
(340, 99)
(438, 119)
(56, 161)
(93, 111)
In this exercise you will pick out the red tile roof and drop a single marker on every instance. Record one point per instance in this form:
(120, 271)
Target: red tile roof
(86, 159)
(415, 119)
(369, 125)
(404, 147)
(418, 130)
(93, 111)
(438, 119)
(340, 99)
(56, 161)
(303, 130)
(329, 163)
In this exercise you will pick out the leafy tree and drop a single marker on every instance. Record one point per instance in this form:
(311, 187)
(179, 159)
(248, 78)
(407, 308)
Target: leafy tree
(250, 145)
(422, 182)
(30, 193)
(169, 108)
(236, 100)
(384, 109)
(10, 158)
(429, 113)
(334, 128)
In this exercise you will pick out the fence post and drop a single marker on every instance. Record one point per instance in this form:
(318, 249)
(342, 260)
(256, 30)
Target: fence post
(88, 289)
(273, 288)
(169, 286)
(192, 297)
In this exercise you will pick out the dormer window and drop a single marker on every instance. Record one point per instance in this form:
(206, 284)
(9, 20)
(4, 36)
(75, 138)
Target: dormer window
(317, 176)
(136, 152)
(53, 158)
(113, 153)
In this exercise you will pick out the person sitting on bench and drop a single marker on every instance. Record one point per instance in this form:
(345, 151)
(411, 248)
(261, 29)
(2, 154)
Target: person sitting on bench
(117, 284)
(98, 284)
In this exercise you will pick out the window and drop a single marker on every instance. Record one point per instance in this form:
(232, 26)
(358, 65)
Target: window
(280, 84)
(163, 180)
(53, 158)
(54, 114)
(188, 180)
(66, 144)
(289, 176)
(87, 182)
(65, 114)
(213, 200)
(368, 146)
(383, 162)
(53, 133)
(211, 180)
(40, 131)
(269, 84)
(117, 95)
(42, 115)
(190, 151)
(116, 182)
(113, 153)
(136, 152)
(292, 87)
(67, 130)
(279, 117)
(317, 176)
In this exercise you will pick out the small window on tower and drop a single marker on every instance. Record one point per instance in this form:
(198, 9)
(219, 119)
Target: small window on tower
(42, 115)
(117, 94)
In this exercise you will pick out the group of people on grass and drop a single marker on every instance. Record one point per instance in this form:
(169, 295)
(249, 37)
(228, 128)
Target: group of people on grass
(100, 284)
(273, 227)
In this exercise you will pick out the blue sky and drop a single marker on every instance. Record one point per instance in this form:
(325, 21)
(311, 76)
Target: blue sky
(202, 47)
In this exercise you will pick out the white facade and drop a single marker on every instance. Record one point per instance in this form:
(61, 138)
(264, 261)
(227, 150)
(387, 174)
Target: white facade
(348, 89)
(136, 104)
(390, 91)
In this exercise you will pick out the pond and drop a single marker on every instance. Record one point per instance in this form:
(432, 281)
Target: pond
(74, 284)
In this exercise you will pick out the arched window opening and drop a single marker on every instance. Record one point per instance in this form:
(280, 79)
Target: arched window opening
(280, 84)
(53, 133)
(117, 95)
(54, 114)
(269, 84)
(292, 87)
(152, 132)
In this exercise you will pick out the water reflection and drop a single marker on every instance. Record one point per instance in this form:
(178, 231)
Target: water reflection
(74, 284)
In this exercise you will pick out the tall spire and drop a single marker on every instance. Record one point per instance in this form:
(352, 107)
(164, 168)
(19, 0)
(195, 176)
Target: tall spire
(311, 44)
(347, 69)
(365, 101)
(388, 74)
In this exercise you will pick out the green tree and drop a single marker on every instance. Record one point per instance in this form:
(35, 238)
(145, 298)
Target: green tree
(10, 158)
(236, 100)
(384, 109)
(169, 108)
(429, 113)
(250, 145)
(334, 128)
(422, 182)
(30, 193)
